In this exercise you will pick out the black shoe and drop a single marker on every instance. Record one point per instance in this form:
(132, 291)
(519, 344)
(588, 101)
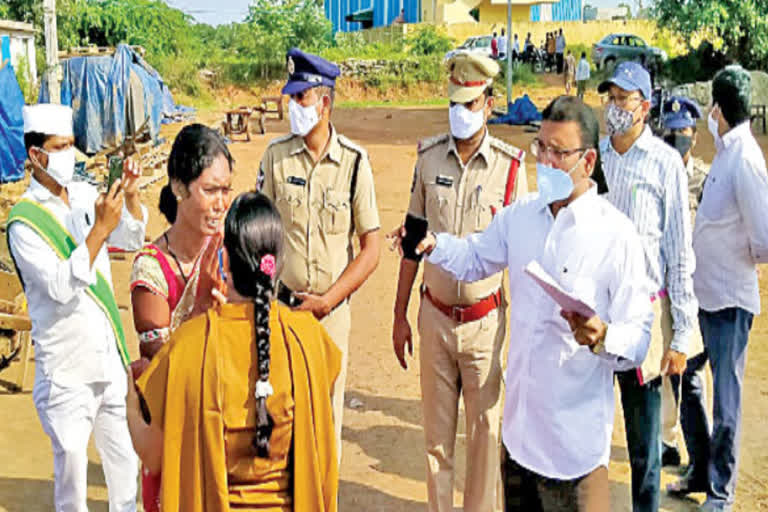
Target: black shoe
(670, 456)
(689, 483)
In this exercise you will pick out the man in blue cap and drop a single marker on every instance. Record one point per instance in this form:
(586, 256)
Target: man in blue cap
(680, 115)
(647, 181)
(322, 184)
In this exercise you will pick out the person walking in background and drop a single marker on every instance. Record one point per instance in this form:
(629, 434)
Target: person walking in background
(582, 75)
(560, 51)
(516, 49)
(495, 46)
(730, 239)
(551, 46)
(236, 411)
(570, 72)
(503, 45)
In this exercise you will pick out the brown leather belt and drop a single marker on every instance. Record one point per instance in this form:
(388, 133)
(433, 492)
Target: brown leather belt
(464, 314)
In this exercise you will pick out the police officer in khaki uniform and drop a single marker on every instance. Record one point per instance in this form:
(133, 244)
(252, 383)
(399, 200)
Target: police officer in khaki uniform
(461, 180)
(322, 184)
(680, 115)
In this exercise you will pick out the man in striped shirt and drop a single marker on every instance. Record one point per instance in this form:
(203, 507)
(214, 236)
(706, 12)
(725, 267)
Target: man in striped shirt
(647, 181)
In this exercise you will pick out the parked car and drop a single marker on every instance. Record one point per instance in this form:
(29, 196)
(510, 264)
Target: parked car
(480, 45)
(615, 48)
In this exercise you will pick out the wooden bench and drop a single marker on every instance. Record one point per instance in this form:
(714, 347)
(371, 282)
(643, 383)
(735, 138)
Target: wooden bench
(758, 114)
(272, 105)
(237, 122)
(19, 325)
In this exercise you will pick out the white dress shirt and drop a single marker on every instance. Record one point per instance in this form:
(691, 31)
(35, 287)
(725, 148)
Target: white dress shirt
(731, 234)
(503, 45)
(516, 45)
(74, 340)
(558, 412)
(649, 185)
(582, 70)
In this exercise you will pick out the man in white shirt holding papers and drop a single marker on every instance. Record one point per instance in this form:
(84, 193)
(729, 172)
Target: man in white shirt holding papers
(558, 413)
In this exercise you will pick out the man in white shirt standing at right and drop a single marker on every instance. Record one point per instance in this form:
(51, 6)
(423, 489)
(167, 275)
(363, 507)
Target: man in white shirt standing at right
(558, 412)
(730, 239)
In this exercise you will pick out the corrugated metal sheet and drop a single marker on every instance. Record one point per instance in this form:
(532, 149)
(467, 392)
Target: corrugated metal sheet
(565, 10)
(384, 12)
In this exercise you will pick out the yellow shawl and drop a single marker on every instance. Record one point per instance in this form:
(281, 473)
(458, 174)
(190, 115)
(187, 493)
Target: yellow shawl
(182, 390)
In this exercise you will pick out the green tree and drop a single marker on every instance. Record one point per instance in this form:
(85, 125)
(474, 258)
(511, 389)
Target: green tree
(628, 8)
(741, 25)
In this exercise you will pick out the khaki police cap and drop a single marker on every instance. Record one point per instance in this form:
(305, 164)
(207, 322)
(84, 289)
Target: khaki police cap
(469, 76)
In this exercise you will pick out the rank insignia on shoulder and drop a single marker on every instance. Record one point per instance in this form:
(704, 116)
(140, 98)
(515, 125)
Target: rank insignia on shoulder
(295, 180)
(444, 181)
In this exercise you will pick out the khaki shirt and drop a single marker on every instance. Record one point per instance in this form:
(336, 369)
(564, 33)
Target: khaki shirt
(314, 202)
(461, 200)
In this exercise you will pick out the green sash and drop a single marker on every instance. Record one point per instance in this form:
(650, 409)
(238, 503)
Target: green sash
(50, 229)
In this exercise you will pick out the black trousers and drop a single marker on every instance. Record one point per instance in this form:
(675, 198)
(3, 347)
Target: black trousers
(560, 62)
(526, 491)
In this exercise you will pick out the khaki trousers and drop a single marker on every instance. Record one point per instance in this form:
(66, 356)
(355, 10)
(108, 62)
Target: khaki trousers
(338, 324)
(461, 358)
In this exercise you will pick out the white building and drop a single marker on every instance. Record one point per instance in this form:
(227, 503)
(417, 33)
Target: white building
(17, 42)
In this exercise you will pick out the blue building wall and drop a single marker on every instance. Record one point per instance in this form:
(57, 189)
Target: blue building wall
(565, 10)
(384, 12)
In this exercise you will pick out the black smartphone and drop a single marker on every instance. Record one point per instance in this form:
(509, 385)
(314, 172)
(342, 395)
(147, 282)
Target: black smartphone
(115, 170)
(415, 231)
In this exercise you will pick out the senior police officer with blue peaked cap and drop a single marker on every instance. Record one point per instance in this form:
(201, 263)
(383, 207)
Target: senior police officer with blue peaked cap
(322, 184)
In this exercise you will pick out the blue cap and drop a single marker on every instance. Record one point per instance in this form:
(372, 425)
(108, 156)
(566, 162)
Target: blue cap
(680, 112)
(306, 71)
(630, 76)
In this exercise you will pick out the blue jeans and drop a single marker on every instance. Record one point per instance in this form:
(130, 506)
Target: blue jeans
(693, 415)
(725, 334)
(642, 421)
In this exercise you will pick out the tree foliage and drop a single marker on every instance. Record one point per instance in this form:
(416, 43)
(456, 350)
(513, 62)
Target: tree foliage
(740, 25)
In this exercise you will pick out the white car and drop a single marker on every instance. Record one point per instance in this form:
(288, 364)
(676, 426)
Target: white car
(480, 45)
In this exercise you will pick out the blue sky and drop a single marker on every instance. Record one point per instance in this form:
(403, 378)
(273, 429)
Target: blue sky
(227, 11)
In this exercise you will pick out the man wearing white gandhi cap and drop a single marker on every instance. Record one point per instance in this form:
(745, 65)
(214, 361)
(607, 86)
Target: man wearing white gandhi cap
(57, 234)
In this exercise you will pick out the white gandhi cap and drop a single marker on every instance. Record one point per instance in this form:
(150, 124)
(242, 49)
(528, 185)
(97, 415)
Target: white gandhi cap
(48, 119)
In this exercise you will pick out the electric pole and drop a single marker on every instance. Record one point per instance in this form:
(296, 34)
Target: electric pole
(51, 50)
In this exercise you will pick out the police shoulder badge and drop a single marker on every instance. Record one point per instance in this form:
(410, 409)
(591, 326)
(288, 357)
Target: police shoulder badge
(291, 66)
(676, 106)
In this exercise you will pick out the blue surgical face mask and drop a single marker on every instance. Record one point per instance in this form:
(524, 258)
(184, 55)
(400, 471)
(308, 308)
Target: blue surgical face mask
(554, 184)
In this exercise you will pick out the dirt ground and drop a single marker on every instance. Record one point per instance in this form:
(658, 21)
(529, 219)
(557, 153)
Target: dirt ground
(383, 464)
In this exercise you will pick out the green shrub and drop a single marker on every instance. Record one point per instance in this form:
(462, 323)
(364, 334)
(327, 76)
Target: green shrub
(428, 40)
(28, 88)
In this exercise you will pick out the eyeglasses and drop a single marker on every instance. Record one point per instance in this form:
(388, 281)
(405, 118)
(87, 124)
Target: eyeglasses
(620, 102)
(538, 148)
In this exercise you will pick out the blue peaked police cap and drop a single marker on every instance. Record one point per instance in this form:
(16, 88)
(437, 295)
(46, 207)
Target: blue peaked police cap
(306, 71)
(680, 112)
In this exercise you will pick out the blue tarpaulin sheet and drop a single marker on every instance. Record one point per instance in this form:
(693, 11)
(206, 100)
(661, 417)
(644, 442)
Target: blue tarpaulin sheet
(105, 100)
(12, 152)
(522, 111)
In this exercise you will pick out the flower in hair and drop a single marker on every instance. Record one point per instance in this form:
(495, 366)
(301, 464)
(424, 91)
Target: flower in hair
(268, 265)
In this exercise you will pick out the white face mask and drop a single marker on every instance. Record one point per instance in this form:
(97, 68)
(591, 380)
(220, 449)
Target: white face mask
(61, 165)
(464, 122)
(303, 119)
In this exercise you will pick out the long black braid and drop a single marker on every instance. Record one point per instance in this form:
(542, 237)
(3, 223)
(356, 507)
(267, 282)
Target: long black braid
(253, 237)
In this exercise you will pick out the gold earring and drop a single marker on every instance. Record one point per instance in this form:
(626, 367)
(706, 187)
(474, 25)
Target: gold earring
(178, 199)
